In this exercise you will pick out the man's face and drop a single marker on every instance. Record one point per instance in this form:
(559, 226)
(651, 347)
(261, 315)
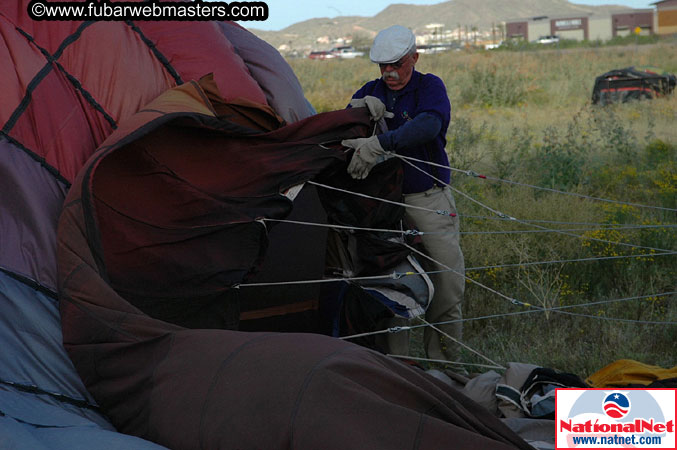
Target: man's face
(396, 75)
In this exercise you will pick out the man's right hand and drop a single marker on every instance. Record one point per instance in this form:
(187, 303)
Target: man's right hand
(377, 110)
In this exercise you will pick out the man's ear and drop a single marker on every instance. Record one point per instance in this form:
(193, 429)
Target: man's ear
(415, 57)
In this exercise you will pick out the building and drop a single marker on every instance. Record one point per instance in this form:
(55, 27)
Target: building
(566, 27)
(639, 21)
(585, 26)
(666, 16)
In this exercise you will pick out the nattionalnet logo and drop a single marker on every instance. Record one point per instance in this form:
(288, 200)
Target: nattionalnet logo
(615, 418)
(616, 405)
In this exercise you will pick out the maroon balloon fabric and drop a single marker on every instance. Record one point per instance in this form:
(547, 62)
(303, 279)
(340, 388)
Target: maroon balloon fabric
(181, 189)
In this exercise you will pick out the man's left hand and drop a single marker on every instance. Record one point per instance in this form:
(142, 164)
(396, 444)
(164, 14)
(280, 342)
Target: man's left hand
(368, 153)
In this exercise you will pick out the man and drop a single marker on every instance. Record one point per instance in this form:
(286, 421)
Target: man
(417, 111)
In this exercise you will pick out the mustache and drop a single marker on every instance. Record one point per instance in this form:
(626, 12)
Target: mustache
(394, 75)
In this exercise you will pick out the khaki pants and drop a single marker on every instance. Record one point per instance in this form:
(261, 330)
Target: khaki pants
(442, 246)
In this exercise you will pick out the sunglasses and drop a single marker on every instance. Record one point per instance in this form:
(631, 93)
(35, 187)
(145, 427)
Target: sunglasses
(396, 65)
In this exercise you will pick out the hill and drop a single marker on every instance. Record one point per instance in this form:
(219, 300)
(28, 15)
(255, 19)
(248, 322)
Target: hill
(482, 14)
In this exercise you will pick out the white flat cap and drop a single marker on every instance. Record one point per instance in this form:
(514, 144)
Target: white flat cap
(391, 44)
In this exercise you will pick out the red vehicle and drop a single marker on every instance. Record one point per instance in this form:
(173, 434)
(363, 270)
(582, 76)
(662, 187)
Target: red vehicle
(321, 55)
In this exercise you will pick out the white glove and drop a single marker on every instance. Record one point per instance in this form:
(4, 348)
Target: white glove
(377, 110)
(368, 153)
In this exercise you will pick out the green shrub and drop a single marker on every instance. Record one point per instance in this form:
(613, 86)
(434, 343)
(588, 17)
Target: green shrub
(495, 86)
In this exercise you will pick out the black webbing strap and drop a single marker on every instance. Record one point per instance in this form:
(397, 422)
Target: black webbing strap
(59, 397)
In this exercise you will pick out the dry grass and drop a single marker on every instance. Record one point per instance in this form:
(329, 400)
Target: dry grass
(526, 117)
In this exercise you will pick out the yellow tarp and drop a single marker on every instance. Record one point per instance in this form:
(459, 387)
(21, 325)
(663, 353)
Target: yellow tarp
(626, 371)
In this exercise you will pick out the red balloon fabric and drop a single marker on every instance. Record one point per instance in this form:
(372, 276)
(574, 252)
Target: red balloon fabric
(158, 147)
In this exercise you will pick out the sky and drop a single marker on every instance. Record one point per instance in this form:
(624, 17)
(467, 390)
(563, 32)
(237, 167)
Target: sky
(283, 13)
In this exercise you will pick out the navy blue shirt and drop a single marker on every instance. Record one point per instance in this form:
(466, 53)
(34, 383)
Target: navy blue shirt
(422, 114)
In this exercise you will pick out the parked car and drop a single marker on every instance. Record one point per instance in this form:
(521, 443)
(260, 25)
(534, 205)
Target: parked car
(321, 55)
(553, 39)
(345, 52)
(437, 48)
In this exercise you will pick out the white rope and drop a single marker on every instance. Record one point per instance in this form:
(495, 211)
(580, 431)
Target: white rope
(474, 174)
(598, 224)
(500, 215)
(394, 275)
(552, 230)
(359, 194)
(444, 361)
(397, 275)
(383, 331)
(512, 300)
(530, 224)
(557, 222)
(459, 343)
(345, 227)
(428, 324)
(499, 266)
(537, 309)
(449, 269)
(428, 233)
(560, 261)
(617, 319)
(534, 309)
